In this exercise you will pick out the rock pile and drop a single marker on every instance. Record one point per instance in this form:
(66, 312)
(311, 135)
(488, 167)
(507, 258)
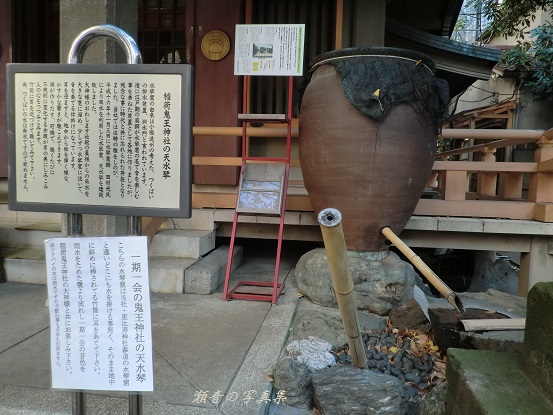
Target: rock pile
(410, 356)
(403, 364)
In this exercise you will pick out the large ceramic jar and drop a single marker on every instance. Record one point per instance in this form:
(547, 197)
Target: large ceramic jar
(369, 120)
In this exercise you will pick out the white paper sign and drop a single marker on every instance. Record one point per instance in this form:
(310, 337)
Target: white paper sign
(100, 320)
(269, 49)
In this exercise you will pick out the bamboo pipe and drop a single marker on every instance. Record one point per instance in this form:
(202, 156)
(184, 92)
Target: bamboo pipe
(492, 134)
(250, 131)
(444, 290)
(330, 221)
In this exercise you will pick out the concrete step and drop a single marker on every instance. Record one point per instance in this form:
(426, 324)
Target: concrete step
(166, 243)
(482, 382)
(27, 235)
(167, 274)
(20, 216)
(182, 243)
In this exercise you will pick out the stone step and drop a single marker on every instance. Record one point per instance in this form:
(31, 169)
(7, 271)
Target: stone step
(27, 266)
(167, 274)
(20, 216)
(166, 243)
(27, 235)
(206, 275)
(482, 382)
(182, 243)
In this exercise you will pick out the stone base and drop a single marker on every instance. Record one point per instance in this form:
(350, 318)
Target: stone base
(381, 280)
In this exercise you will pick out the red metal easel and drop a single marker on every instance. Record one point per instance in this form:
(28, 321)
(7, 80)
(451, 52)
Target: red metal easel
(270, 169)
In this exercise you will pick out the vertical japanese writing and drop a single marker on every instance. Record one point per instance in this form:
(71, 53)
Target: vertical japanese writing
(109, 314)
(95, 305)
(24, 135)
(139, 338)
(105, 176)
(122, 137)
(75, 146)
(80, 305)
(67, 307)
(59, 125)
(115, 131)
(45, 134)
(86, 143)
(124, 316)
(137, 140)
(130, 140)
(31, 124)
(151, 139)
(166, 134)
(55, 305)
(144, 132)
(66, 133)
(53, 136)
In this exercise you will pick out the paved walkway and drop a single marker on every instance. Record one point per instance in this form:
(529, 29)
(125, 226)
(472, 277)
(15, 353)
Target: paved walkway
(203, 346)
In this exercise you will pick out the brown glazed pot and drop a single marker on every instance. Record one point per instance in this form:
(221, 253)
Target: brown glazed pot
(373, 173)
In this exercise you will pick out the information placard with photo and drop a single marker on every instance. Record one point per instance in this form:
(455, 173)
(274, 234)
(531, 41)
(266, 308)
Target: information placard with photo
(269, 50)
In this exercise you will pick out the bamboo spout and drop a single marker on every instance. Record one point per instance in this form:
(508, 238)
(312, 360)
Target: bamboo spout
(441, 286)
(330, 221)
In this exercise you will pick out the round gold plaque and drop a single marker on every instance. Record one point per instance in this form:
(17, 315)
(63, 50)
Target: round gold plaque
(215, 45)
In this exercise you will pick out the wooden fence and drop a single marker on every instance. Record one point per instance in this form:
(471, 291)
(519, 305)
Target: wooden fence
(499, 192)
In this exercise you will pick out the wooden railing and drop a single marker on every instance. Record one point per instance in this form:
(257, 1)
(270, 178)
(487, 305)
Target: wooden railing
(498, 194)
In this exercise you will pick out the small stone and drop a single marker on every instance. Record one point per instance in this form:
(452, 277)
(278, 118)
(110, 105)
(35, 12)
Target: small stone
(411, 377)
(423, 386)
(425, 368)
(371, 363)
(407, 363)
(409, 316)
(410, 392)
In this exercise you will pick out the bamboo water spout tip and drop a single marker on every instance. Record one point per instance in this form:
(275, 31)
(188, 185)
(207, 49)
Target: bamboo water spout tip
(329, 217)
(457, 303)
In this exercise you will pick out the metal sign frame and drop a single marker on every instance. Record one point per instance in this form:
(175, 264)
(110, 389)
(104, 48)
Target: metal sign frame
(185, 172)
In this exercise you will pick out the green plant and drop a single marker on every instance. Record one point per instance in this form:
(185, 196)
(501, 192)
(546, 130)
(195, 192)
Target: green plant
(536, 57)
(513, 18)
(542, 65)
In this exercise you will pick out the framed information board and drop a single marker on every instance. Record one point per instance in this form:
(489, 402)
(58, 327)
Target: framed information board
(102, 139)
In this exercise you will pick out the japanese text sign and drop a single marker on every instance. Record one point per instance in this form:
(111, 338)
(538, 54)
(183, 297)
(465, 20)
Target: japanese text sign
(103, 139)
(100, 320)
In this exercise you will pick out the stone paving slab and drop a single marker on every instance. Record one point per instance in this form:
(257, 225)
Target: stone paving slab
(201, 343)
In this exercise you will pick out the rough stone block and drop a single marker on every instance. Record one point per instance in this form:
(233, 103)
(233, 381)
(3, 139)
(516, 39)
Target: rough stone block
(345, 389)
(538, 336)
(206, 275)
